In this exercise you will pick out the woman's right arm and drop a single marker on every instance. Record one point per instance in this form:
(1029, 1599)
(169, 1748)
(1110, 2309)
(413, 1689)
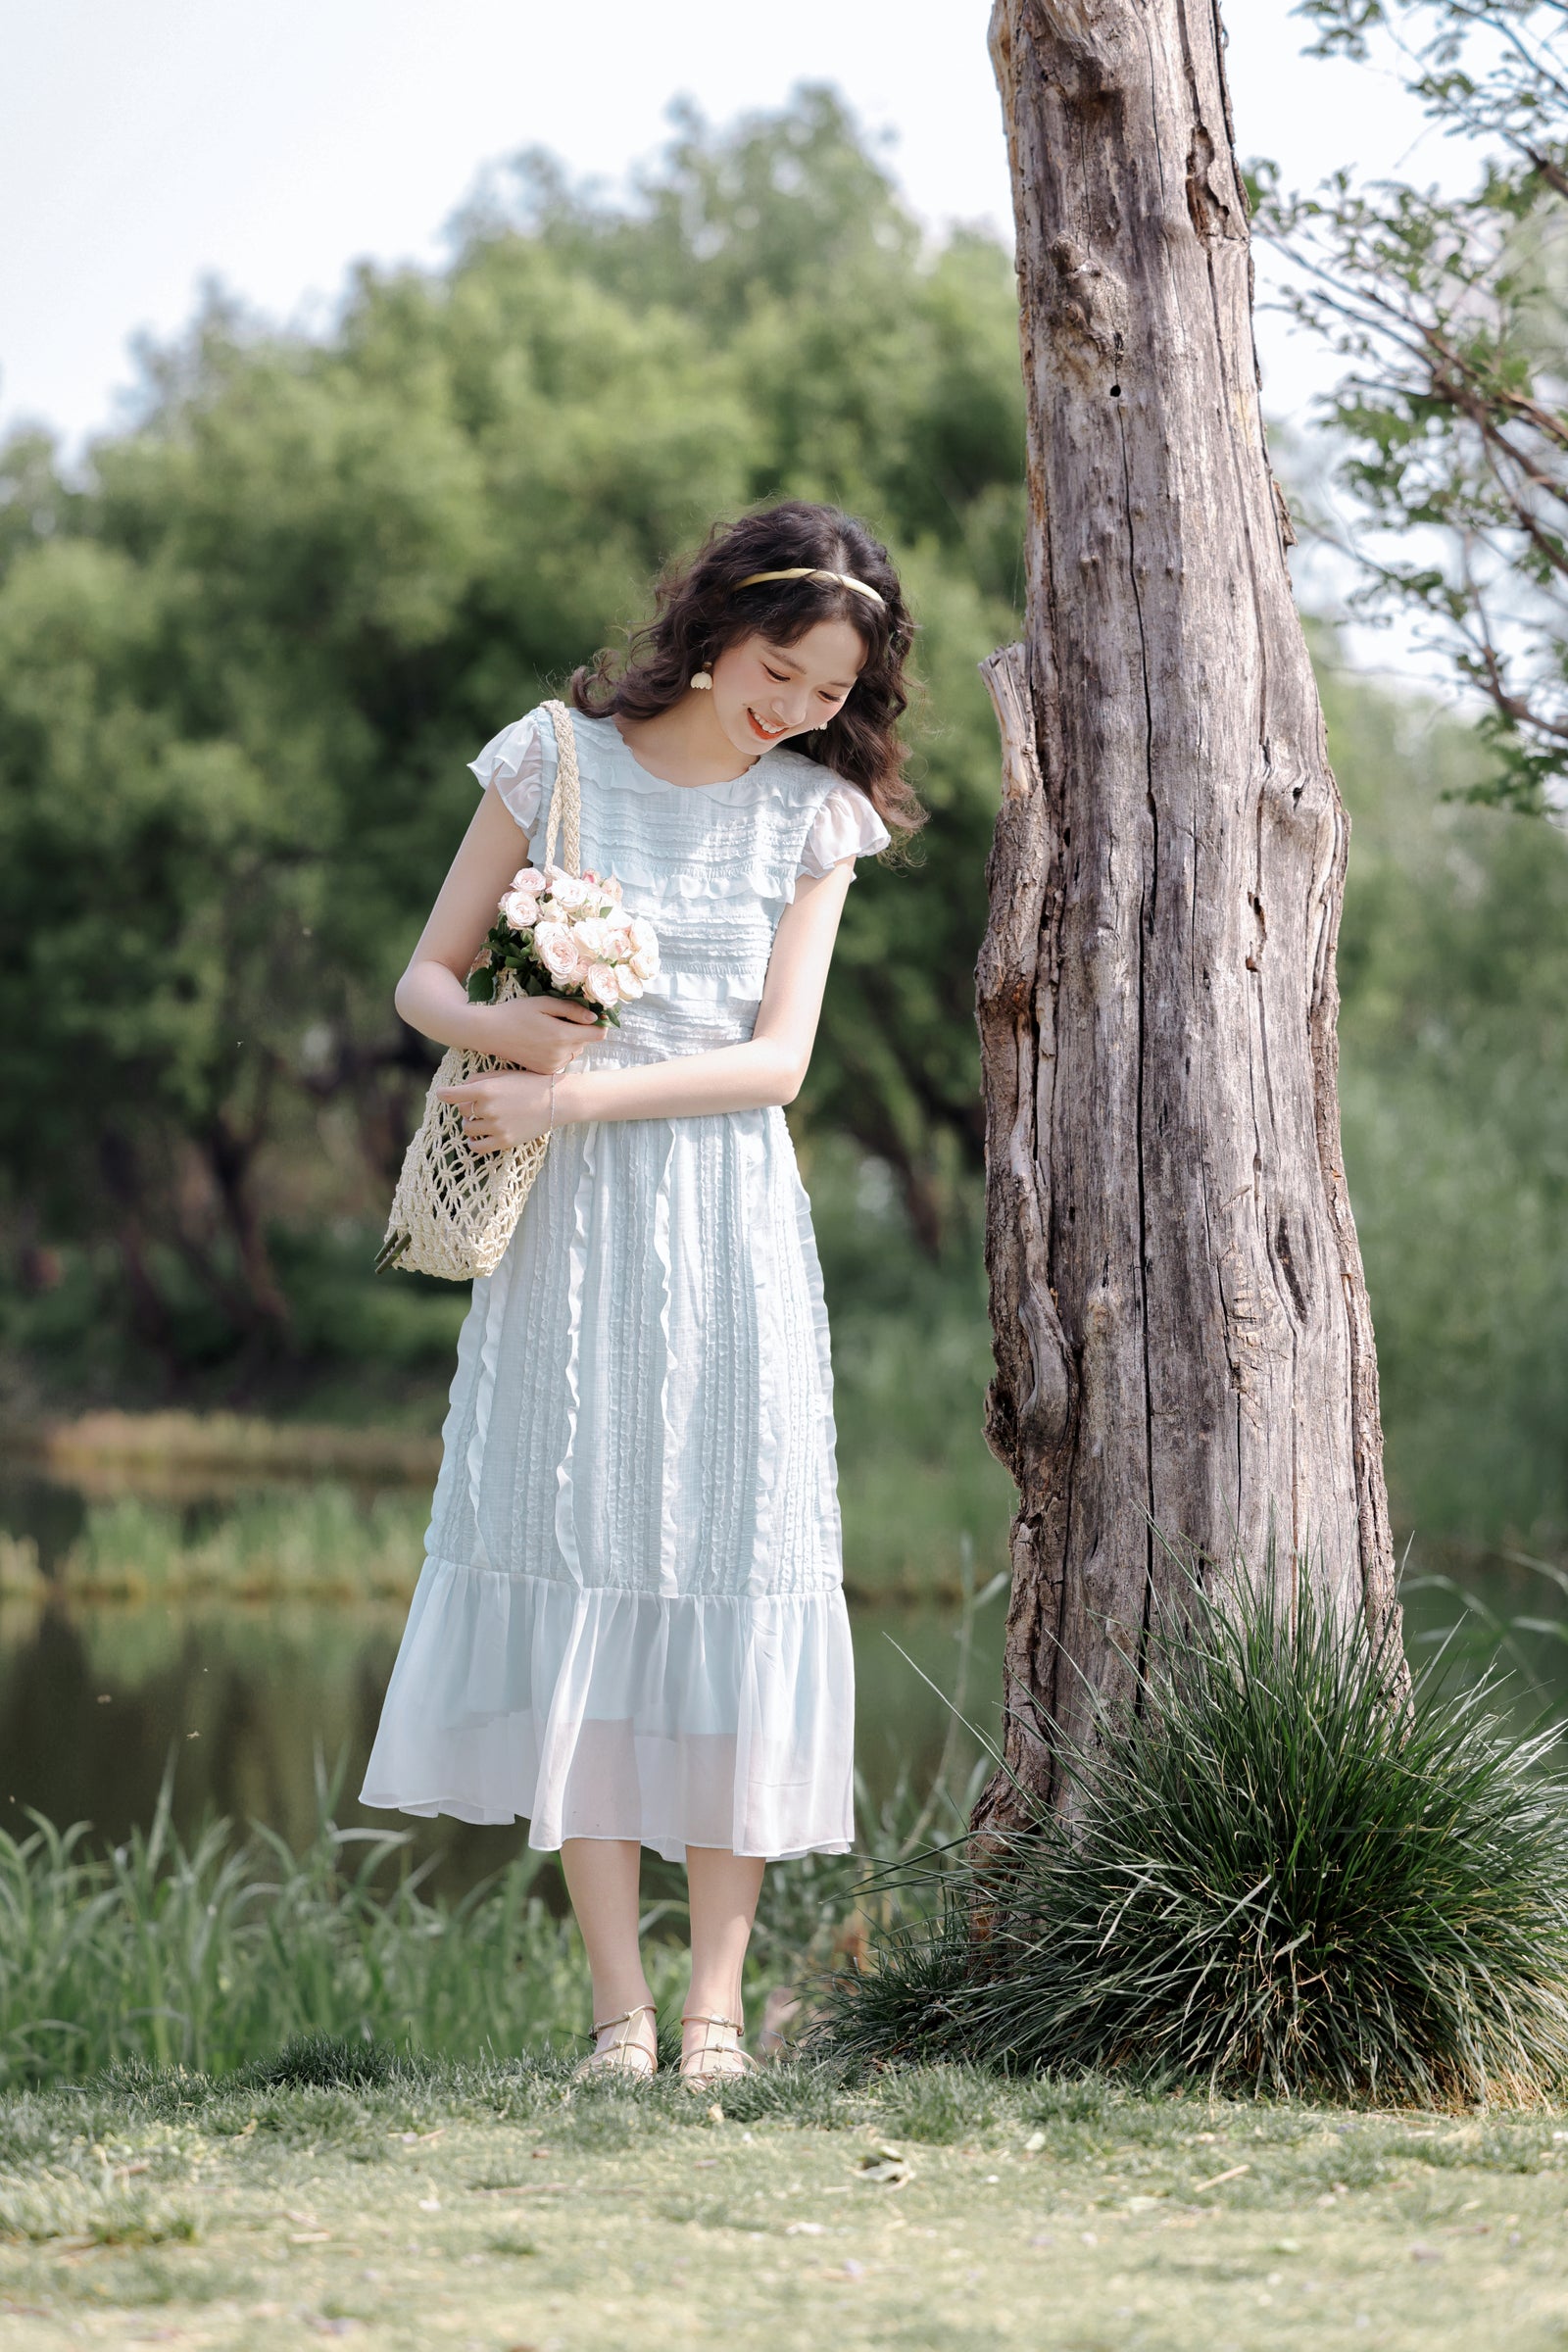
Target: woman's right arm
(535, 1033)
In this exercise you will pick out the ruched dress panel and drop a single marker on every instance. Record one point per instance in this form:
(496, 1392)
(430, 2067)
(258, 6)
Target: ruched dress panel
(630, 1621)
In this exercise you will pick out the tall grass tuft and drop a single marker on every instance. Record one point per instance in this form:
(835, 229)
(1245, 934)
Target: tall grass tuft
(322, 2062)
(225, 1951)
(1273, 1877)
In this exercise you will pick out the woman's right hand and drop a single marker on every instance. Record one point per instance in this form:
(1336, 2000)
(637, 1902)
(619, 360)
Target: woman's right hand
(540, 1033)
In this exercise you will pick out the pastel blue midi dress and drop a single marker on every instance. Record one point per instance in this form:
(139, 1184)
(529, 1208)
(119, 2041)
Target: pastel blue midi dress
(630, 1619)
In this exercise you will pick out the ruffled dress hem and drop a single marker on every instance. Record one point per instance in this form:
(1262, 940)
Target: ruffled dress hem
(694, 1719)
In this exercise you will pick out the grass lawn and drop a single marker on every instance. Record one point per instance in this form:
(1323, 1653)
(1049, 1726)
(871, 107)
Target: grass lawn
(497, 2206)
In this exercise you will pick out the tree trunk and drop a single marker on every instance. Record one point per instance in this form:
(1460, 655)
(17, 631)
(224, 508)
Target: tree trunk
(149, 1317)
(230, 1157)
(1183, 1340)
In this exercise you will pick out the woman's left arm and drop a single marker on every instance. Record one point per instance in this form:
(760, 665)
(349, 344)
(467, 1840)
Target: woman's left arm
(514, 1106)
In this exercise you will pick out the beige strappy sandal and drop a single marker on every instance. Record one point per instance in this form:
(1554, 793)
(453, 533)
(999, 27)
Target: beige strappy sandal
(624, 2056)
(716, 2062)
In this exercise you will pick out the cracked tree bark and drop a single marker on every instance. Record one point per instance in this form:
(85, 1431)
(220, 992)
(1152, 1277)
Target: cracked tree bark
(1183, 1341)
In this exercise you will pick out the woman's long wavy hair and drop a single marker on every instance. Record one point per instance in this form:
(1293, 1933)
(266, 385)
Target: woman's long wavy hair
(700, 609)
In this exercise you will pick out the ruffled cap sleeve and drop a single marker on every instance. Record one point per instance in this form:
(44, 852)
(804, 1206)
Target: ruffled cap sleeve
(519, 763)
(844, 826)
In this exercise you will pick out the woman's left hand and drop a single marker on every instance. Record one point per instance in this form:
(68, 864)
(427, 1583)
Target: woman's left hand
(502, 1112)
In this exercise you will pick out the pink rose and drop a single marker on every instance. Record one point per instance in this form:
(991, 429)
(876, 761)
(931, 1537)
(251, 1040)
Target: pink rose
(602, 984)
(559, 954)
(521, 908)
(632, 988)
(569, 890)
(529, 878)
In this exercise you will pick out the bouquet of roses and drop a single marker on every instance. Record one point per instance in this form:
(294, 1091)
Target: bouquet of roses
(566, 935)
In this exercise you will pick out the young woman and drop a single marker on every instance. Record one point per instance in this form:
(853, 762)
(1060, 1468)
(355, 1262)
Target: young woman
(631, 1625)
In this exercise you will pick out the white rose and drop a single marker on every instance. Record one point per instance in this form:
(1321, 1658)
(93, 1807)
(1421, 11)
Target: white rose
(559, 953)
(521, 908)
(569, 890)
(612, 890)
(602, 984)
(530, 879)
(632, 988)
(594, 937)
(644, 947)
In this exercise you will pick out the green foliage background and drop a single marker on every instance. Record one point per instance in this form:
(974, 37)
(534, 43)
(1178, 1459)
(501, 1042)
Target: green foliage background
(246, 654)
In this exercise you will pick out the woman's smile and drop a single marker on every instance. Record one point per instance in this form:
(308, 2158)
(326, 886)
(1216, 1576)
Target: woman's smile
(768, 734)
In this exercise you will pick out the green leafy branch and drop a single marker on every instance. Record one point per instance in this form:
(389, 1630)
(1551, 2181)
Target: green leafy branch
(1450, 312)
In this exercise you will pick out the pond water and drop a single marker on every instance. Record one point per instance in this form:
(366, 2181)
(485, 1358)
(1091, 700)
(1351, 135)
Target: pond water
(252, 1700)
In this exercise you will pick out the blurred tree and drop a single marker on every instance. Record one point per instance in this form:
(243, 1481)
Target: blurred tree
(1452, 312)
(1453, 968)
(147, 889)
(243, 662)
(784, 205)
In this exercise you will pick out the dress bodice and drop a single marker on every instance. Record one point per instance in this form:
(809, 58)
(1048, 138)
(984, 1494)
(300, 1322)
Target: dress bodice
(711, 866)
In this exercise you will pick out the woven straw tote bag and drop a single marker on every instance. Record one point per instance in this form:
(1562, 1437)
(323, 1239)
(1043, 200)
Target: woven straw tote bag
(455, 1209)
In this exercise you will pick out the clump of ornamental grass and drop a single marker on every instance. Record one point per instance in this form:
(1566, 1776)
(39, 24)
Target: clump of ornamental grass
(1279, 1871)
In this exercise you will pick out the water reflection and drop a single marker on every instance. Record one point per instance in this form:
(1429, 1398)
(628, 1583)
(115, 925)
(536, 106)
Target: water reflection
(93, 1702)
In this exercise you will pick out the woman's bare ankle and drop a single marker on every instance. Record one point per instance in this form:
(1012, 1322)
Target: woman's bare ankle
(706, 2021)
(636, 2004)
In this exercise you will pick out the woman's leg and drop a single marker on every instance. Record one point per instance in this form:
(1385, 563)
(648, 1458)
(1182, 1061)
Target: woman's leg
(724, 1888)
(601, 1880)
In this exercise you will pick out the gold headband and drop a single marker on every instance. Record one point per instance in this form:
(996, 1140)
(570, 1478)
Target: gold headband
(813, 571)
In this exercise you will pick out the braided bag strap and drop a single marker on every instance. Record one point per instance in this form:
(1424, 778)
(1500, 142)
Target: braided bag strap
(566, 802)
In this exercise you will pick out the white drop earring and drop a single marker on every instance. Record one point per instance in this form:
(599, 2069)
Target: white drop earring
(704, 681)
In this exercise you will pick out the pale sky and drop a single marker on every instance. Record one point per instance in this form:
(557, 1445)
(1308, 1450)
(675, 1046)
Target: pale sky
(148, 144)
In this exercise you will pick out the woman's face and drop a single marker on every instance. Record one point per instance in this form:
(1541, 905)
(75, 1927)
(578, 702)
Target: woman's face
(764, 693)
